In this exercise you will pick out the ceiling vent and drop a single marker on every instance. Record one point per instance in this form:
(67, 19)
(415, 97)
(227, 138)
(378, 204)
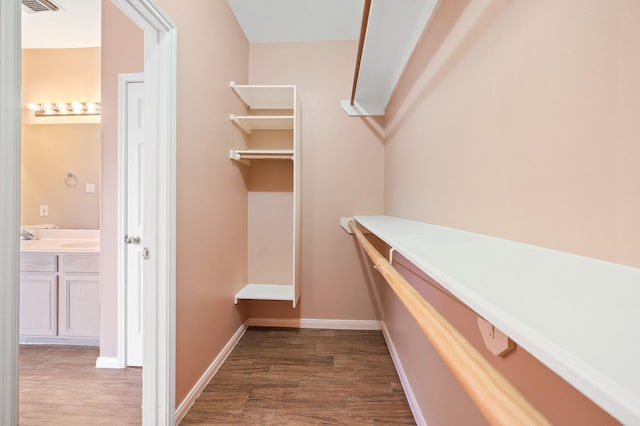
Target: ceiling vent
(37, 6)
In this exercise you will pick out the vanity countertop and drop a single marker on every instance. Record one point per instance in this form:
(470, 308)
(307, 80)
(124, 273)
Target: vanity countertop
(74, 245)
(63, 240)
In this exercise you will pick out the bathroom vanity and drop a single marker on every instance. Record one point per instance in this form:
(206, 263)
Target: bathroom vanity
(60, 291)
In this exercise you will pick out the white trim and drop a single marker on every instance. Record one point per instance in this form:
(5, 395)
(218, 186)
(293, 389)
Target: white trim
(108, 362)
(123, 80)
(10, 100)
(202, 383)
(67, 341)
(158, 374)
(332, 324)
(411, 398)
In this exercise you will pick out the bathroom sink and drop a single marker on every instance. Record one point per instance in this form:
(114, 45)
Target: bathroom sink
(83, 244)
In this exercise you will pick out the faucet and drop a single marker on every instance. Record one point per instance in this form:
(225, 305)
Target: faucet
(25, 234)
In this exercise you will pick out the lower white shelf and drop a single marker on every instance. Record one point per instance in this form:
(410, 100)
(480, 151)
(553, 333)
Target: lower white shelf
(265, 292)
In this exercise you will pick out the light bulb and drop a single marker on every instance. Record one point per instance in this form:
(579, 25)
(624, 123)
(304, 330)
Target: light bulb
(77, 107)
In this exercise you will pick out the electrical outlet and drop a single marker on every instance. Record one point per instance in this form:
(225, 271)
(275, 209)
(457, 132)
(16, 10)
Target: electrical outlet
(44, 210)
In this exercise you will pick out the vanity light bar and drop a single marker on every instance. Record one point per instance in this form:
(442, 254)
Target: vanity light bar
(56, 109)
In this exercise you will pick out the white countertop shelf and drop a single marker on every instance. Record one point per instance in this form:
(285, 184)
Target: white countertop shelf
(265, 96)
(579, 316)
(265, 292)
(249, 123)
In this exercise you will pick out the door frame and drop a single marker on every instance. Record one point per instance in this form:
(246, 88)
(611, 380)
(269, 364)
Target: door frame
(158, 374)
(10, 122)
(158, 394)
(123, 80)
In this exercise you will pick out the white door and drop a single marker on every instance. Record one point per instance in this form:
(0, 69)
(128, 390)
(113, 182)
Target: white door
(134, 151)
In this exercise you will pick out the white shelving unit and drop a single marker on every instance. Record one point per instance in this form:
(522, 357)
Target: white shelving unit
(272, 124)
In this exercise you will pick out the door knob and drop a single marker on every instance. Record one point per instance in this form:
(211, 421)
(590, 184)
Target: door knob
(134, 239)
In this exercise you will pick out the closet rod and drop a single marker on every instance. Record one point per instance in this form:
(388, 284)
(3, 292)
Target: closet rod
(264, 157)
(363, 33)
(496, 398)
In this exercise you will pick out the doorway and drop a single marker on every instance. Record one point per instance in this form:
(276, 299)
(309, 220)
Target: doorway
(159, 285)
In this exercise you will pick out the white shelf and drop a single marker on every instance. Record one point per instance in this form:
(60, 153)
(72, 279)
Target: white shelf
(265, 97)
(263, 122)
(577, 315)
(265, 292)
(392, 34)
(243, 155)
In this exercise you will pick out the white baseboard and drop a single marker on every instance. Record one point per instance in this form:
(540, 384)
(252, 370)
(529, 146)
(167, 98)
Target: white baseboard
(66, 341)
(202, 383)
(109, 362)
(411, 399)
(315, 323)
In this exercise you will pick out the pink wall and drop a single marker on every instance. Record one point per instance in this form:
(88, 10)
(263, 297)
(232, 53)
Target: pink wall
(519, 120)
(49, 151)
(122, 51)
(211, 193)
(342, 175)
(521, 130)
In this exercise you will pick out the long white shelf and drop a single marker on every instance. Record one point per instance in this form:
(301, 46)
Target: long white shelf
(262, 122)
(265, 292)
(579, 316)
(265, 97)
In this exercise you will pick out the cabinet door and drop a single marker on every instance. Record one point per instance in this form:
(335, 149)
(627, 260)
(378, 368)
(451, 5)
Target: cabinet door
(79, 305)
(38, 305)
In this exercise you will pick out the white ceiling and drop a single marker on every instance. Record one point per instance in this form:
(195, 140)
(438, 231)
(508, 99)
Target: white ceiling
(298, 20)
(76, 24)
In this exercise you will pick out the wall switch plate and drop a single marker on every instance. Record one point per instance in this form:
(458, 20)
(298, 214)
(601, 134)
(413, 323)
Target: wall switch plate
(90, 187)
(44, 210)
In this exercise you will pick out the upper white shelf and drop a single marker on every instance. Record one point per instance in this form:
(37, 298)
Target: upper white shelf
(249, 123)
(265, 97)
(579, 316)
(392, 34)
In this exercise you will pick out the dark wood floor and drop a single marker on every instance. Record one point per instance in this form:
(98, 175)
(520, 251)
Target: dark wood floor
(304, 377)
(60, 385)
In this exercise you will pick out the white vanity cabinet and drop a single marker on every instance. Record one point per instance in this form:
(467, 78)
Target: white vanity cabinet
(38, 294)
(79, 295)
(60, 298)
